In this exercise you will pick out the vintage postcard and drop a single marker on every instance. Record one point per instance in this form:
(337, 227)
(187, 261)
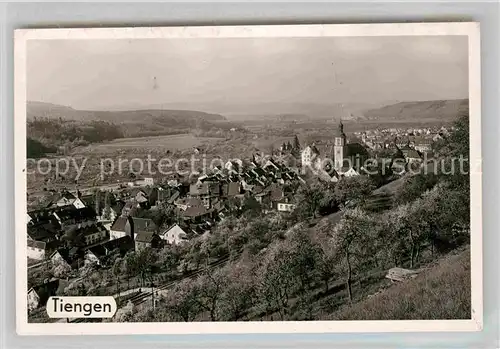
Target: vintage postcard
(248, 179)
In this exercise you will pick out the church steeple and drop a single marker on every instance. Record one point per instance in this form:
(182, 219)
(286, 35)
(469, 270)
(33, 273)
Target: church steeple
(340, 134)
(339, 147)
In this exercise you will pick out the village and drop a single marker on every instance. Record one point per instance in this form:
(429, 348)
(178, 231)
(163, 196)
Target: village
(77, 228)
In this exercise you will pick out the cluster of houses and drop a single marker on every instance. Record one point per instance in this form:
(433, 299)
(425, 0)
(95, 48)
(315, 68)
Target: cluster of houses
(417, 139)
(74, 230)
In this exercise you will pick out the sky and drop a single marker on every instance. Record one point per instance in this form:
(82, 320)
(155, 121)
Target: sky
(101, 74)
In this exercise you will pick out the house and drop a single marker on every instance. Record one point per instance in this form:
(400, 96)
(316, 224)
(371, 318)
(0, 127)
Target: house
(123, 245)
(141, 225)
(69, 199)
(40, 217)
(262, 195)
(271, 164)
(351, 172)
(174, 235)
(235, 165)
(46, 231)
(206, 191)
(70, 216)
(98, 254)
(231, 189)
(122, 226)
(147, 239)
(196, 214)
(39, 295)
(72, 258)
(95, 255)
(423, 145)
(129, 208)
(184, 203)
(285, 204)
(309, 155)
(142, 182)
(93, 234)
(36, 249)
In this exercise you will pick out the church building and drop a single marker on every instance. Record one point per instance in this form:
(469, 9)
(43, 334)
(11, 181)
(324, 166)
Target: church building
(347, 156)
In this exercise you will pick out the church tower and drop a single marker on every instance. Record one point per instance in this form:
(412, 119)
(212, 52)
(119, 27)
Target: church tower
(339, 146)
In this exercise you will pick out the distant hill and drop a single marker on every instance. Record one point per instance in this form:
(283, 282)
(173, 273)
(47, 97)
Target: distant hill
(172, 117)
(264, 110)
(439, 110)
(52, 124)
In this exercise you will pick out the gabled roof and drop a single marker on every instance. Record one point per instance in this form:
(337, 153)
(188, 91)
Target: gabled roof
(144, 225)
(69, 255)
(91, 229)
(413, 154)
(70, 212)
(312, 148)
(176, 230)
(45, 290)
(119, 224)
(195, 211)
(121, 243)
(67, 195)
(353, 149)
(99, 251)
(36, 244)
(199, 189)
(44, 232)
(231, 189)
(145, 236)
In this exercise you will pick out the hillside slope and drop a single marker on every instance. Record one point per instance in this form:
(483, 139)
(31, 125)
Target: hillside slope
(422, 110)
(441, 292)
(173, 117)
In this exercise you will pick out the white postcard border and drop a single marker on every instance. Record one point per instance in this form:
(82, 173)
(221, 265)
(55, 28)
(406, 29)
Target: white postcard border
(469, 29)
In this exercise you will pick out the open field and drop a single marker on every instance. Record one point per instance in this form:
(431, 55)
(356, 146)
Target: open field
(169, 142)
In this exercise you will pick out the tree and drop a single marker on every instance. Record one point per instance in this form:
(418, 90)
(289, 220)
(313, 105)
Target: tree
(169, 259)
(309, 199)
(353, 190)
(107, 206)
(326, 262)
(183, 301)
(276, 279)
(125, 314)
(61, 270)
(352, 241)
(144, 261)
(304, 254)
(238, 294)
(414, 186)
(296, 147)
(97, 201)
(117, 271)
(211, 284)
(251, 207)
(73, 238)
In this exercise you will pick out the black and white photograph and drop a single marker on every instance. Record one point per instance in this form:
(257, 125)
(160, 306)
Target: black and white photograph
(212, 177)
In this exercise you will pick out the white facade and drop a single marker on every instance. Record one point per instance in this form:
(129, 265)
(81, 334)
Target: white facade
(76, 202)
(35, 252)
(175, 235)
(114, 234)
(308, 156)
(351, 173)
(284, 207)
(33, 300)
